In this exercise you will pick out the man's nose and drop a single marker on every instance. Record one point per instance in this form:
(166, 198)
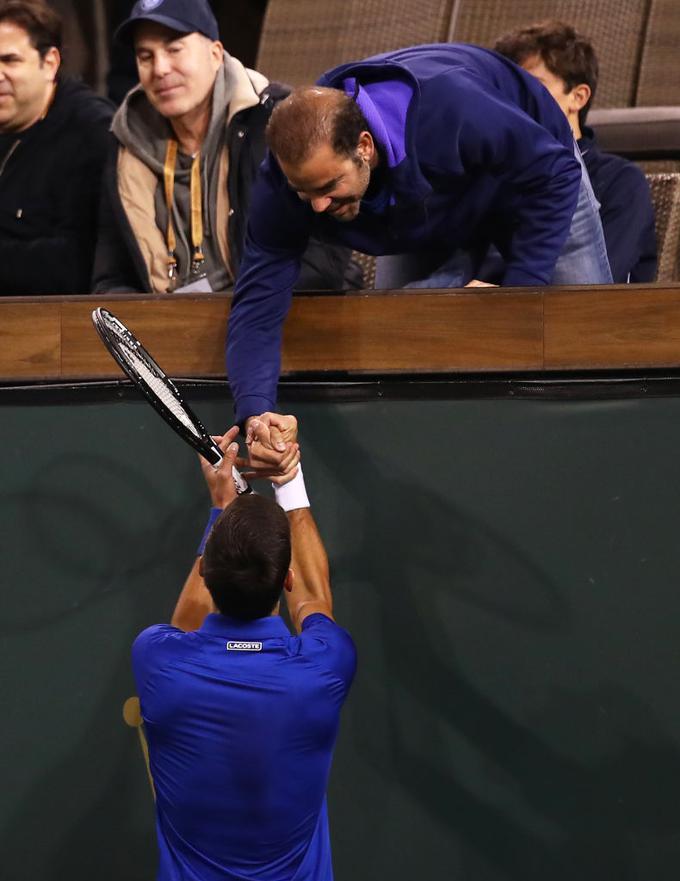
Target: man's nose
(161, 65)
(319, 205)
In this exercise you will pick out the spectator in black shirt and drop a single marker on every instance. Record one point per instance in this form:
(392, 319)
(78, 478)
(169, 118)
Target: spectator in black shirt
(566, 64)
(54, 136)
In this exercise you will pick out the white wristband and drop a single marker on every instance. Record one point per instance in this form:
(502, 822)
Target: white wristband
(293, 494)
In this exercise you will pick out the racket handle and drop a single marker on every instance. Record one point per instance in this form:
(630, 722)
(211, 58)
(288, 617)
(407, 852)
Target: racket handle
(241, 484)
(214, 456)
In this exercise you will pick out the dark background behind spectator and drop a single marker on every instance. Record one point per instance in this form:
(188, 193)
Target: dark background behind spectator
(89, 26)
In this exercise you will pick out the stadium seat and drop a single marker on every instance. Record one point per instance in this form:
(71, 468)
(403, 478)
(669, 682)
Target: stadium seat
(649, 136)
(666, 197)
(303, 38)
(616, 27)
(658, 81)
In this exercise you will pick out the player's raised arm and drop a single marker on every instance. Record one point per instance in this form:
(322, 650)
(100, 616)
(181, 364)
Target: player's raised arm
(309, 590)
(311, 587)
(194, 601)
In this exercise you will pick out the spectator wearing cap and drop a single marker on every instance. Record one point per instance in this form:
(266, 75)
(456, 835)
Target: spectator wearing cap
(566, 63)
(54, 138)
(190, 139)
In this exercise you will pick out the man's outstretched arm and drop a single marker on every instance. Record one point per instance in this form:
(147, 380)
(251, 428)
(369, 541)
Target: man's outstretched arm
(276, 237)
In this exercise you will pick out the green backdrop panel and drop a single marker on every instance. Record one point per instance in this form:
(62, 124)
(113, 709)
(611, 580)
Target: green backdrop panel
(509, 571)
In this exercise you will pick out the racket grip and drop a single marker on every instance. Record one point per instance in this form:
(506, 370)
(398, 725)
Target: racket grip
(214, 456)
(241, 484)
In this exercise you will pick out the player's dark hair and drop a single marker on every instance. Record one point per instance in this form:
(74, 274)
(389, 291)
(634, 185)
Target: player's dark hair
(311, 116)
(247, 557)
(42, 24)
(566, 53)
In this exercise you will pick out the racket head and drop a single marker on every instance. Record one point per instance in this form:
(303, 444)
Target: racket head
(157, 387)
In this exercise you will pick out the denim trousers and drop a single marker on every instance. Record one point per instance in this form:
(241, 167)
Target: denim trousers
(583, 259)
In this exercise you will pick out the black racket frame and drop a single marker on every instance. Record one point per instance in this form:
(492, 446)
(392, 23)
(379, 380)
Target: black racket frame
(203, 444)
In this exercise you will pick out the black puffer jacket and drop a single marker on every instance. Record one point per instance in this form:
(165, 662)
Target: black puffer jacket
(50, 182)
(119, 264)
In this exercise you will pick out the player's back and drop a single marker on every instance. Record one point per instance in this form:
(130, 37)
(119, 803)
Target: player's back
(241, 720)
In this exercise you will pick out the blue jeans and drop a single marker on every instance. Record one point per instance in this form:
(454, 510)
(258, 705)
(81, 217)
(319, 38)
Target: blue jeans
(583, 259)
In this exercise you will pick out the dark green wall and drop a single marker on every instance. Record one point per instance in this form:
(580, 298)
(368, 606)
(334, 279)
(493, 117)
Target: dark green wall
(509, 569)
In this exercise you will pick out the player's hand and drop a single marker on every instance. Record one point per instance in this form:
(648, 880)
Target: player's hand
(275, 430)
(273, 450)
(476, 283)
(219, 478)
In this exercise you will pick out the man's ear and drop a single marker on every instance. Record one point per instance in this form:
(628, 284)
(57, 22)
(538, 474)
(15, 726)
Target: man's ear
(217, 53)
(580, 95)
(51, 63)
(366, 146)
(200, 566)
(288, 580)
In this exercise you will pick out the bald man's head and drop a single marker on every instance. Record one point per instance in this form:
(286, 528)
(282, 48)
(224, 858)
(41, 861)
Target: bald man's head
(321, 141)
(313, 115)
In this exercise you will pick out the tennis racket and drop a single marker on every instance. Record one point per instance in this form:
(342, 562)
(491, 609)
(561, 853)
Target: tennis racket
(158, 389)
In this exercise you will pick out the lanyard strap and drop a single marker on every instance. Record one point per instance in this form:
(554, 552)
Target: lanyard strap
(196, 210)
(169, 178)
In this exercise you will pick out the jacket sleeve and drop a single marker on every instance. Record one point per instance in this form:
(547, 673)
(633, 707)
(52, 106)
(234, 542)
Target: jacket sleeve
(114, 270)
(277, 235)
(540, 179)
(627, 218)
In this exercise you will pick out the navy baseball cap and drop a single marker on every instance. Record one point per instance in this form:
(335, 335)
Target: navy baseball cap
(183, 16)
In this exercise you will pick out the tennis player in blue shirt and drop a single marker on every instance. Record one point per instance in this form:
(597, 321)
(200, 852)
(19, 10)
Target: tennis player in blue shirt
(241, 716)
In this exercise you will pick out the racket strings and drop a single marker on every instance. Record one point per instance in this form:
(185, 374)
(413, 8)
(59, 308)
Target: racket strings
(159, 390)
(159, 387)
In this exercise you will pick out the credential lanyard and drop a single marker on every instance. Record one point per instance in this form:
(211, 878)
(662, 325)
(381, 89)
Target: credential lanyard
(197, 258)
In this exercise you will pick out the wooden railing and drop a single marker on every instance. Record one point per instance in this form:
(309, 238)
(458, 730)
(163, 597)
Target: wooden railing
(501, 330)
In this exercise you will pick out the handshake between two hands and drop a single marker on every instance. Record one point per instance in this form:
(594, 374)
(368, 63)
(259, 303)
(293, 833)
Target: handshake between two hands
(272, 452)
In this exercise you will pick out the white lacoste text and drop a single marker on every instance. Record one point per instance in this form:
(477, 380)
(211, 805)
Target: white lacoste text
(244, 646)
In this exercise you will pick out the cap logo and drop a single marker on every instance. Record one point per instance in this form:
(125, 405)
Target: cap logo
(148, 5)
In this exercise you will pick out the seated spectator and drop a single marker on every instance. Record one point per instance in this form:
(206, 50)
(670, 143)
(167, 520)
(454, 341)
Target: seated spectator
(566, 64)
(54, 136)
(190, 141)
(239, 21)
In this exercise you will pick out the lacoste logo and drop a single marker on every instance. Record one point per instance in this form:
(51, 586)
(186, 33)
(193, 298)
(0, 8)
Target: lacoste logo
(244, 646)
(148, 5)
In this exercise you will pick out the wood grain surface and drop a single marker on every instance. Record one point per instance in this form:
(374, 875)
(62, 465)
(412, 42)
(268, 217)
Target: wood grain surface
(387, 332)
(633, 326)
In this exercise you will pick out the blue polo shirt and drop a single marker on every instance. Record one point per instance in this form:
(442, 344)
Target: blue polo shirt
(241, 720)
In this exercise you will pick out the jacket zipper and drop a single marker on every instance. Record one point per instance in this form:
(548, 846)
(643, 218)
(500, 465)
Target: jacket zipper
(9, 155)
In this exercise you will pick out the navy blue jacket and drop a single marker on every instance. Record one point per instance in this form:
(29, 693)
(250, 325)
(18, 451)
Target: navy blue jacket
(626, 212)
(472, 149)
